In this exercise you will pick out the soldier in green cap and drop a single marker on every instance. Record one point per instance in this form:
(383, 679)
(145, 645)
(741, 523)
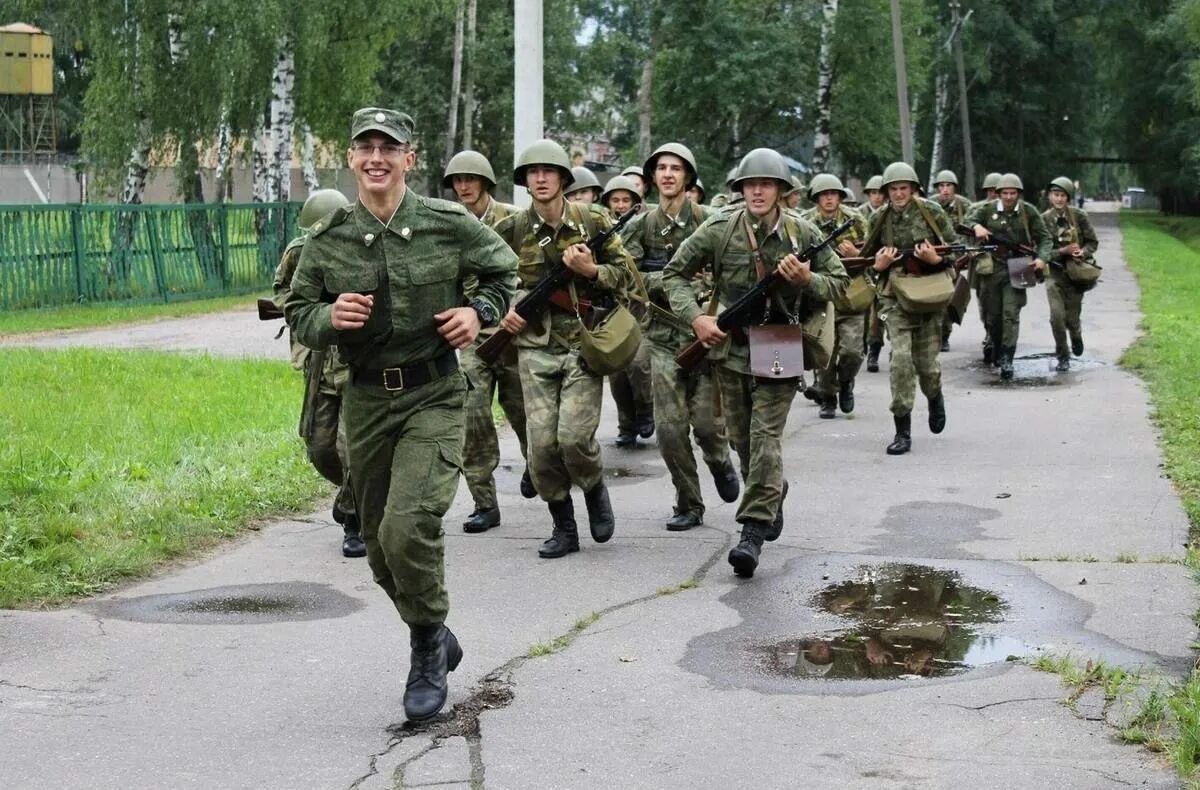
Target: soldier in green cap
(562, 396)
(945, 184)
(325, 375)
(742, 245)
(384, 280)
(835, 382)
(470, 175)
(1075, 242)
(683, 400)
(909, 222)
(585, 187)
(1023, 223)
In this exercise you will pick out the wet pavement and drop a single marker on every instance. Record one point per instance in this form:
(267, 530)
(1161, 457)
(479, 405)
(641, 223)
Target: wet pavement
(874, 646)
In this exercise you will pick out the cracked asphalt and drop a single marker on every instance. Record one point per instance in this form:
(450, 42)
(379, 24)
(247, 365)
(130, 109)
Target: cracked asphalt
(1034, 492)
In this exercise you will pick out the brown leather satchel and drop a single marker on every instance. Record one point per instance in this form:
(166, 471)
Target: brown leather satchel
(776, 351)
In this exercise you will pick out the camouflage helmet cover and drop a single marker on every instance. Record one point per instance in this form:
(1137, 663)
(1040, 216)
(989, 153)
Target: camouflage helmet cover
(468, 163)
(320, 203)
(543, 152)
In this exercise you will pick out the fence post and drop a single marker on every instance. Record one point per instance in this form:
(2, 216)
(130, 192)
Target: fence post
(156, 253)
(223, 217)
(79, 248)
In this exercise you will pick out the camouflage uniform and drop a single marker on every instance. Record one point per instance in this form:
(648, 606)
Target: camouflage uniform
(325, 377)
(914, 337)
(756, 409)
(1003, 302)
(683, 400)
(562, 398)
(848, 348)
(405, 441)
(957, 208)
(500, 379)
(1071, 225)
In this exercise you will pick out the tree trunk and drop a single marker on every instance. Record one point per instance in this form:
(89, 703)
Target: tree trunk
(263, 149)
(137, 169)
(941, 104)
(645, 99)
(283, 111)
(822, 140)
(455, 83)
(468, 133)
(224, 156)
(308, 165)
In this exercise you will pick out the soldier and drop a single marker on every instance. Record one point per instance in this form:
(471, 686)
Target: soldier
(989, 187)
(470, 175)
(384, 280)
(683, 400)
(620, 195)
(797, 197)
(585, 187)
(1003, 302)
(695, 192)
(875, 200)
(945, 183)
(1074, 240)
(756, 409)
(909, 222)
(989, 357)
(325, 375)
(835, 382)
(562, 397)
(638, 177)
(875, 197)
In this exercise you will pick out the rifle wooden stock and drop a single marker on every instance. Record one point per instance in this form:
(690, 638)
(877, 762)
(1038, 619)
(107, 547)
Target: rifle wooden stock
(738, 313)
(532, 304)
(268, 311)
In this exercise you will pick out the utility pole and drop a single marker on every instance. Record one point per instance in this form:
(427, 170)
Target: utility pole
(528, 100)
(906, 141)
(958, 23)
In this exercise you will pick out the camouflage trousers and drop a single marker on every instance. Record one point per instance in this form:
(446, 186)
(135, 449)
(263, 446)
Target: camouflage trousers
(1066, 307)
(915, 339)
(324, 432)
(756, 412)
(405, 460)
(976, 280)
(847, 354)
(874, 327)
(683, 404)
(633, 391)
(481, 447)
(562, 412)
(1002, 304)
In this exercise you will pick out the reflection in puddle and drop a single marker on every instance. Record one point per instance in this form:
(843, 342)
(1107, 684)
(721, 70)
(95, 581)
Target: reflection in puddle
(238, 604)
(1036, 370)
(912, 621)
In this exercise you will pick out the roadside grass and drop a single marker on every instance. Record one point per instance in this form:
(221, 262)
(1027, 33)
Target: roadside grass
(115, 461)
(85, 316)
(1164, 253)
(563, 641)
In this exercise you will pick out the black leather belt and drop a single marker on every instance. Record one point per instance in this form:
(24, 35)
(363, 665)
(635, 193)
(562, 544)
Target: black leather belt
(405, 378)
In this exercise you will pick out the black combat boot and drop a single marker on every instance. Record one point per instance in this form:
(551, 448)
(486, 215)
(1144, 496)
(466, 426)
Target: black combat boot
(683, 521)
(775, 529)
(744, 556)
(482, 519)
(873, 357)
(987, 353)
(846, 396)
(352, 542)
(726, 479)
(937, 413)
(626, 439)
(1006, 363)
(527, 489)
(828, 407)
(565, 537)
(645, 425)
(1077, 343)
(903, 441)
(1064, 363)
(945, 341)
(600, 514)
(435, 653)
(811, 394)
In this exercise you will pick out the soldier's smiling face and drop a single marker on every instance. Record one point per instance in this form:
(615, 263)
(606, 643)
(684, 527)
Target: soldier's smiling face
(468, 188)
(761, 195)
(379, 163)
(620, 201)
(829, 200)
(670, 176)
(1008, 196)
(900, 194)
(543, 182)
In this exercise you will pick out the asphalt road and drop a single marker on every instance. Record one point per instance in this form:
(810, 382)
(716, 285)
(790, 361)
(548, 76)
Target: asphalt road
(1038, 522)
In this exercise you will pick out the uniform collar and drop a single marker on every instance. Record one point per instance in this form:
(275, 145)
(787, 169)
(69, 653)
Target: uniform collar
(371, 228)
(565, 221)
(684, 216)
(776, 229)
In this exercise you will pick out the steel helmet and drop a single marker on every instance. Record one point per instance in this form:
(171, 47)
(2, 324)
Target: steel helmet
(1065, 184)
(875, 183)
(945, 177)
(730, 177)
(1010, 181)
(763, 163)
(700, 185)
(634, 170)
(320, 203)
(468, 163)
(827, 182)
(543, 152)
(617, 183)
(675, 149)
(582, 178)
(990, 181)
(898, 172)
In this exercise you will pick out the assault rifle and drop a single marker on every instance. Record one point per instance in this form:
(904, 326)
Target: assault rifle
(913, 264)
(268, 311)
(1006, 245)
(533, 303)
(738, 313)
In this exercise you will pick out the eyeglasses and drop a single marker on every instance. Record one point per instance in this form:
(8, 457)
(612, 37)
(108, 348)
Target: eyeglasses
(386, 149)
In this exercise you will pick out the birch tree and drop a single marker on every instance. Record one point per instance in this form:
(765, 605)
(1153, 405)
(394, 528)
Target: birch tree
(822, 139)
(455, 81)
(283, 112)
(468, 133)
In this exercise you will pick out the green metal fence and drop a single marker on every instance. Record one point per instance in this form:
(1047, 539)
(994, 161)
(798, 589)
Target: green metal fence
(62, 254)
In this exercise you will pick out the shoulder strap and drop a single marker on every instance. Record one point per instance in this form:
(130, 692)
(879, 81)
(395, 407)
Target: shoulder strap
(928, 217)
(719, 253)
(1025, 221)
(873, 235)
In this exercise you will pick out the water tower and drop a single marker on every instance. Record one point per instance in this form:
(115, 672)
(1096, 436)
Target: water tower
(26, 91)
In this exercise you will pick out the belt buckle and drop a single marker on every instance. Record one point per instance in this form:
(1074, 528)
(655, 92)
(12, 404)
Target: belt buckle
(393, 379)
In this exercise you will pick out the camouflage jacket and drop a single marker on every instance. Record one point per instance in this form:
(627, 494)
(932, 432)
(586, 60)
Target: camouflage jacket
(957, 208)
(654, 237)
(1023, 223)
(722, 244)
(530, 237)
(1070, 226)
(414, 266)
(906, 228)
(333, 371)
(857, 232)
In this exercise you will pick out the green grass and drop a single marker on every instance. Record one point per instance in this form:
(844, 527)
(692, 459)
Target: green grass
(112, 462)
(564, 641)
(1164, 253)
(14, 322)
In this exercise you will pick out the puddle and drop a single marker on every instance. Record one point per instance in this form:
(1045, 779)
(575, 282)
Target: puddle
(244, 604)
(910, 621)
(1036, 370)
